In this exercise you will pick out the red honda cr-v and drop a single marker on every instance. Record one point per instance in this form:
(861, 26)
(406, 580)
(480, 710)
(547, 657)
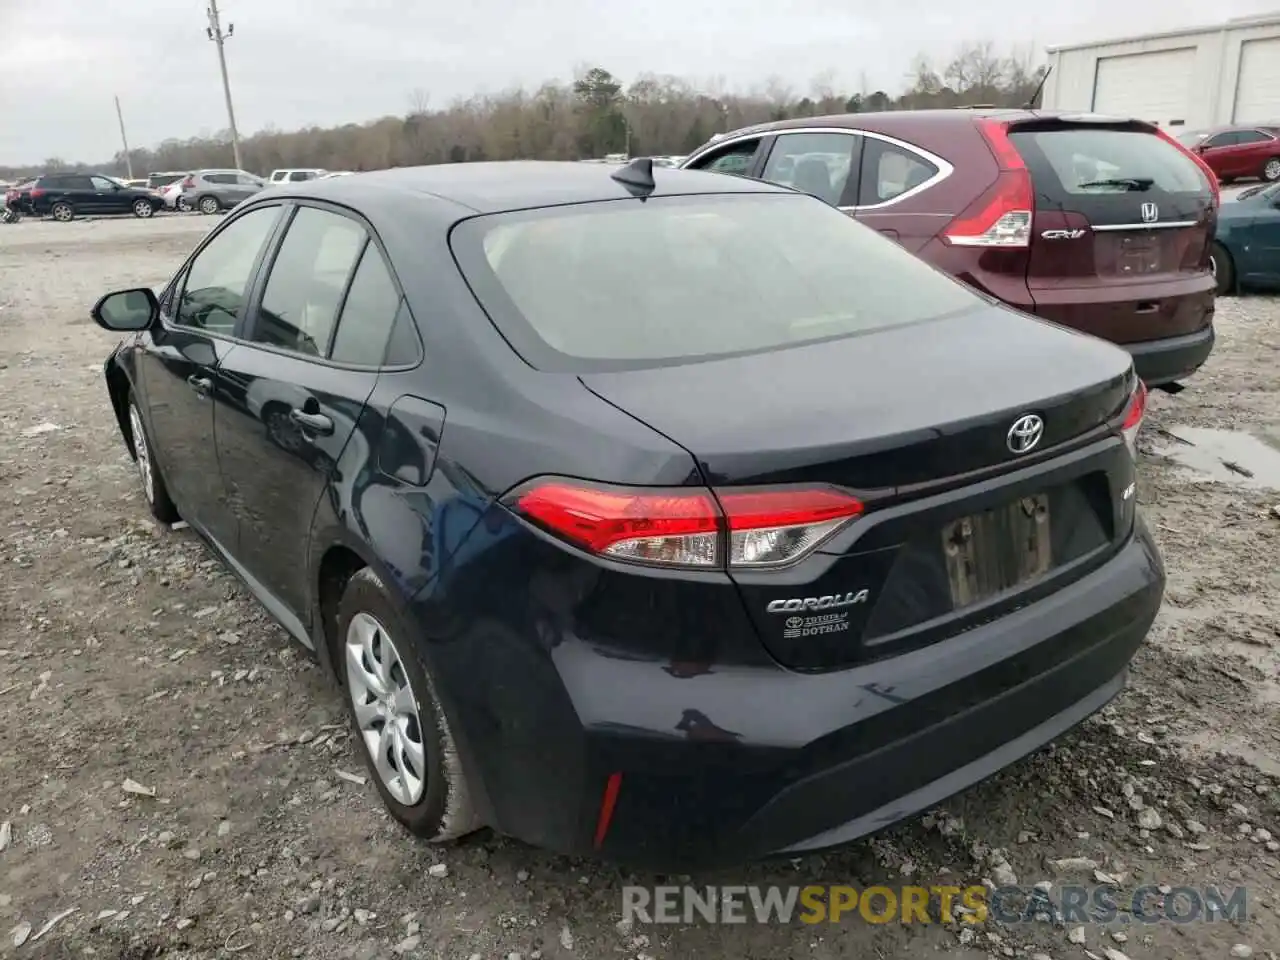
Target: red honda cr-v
(1101, 224)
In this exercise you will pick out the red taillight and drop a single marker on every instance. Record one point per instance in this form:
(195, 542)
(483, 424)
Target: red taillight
(1133, 415)
(1199, 161)
(1001, 217)
(189, 183)
(37, 192)
(678, 526)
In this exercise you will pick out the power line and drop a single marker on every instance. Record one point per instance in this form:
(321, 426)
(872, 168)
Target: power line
(214, 31)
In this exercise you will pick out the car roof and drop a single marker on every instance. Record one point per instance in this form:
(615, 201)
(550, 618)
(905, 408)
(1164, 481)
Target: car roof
(498, 186)
(888, 120)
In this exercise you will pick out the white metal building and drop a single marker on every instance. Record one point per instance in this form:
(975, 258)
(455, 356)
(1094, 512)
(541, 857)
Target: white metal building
(1191, 78)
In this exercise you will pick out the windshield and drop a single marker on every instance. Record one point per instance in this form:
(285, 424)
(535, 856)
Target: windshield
(635, 283)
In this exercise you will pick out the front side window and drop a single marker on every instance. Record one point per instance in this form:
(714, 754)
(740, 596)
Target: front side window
(734, 160)
(818, 164)
(615, 285)
(304, 289)
(218, 278)
(102, 184)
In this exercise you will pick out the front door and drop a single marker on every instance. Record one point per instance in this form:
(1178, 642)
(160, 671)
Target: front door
(110, 197)
(179, 364)
(305, 377)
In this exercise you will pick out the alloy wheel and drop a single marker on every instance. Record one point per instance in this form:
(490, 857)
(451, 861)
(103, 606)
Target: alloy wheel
(143, 454)
(62, 213)
(1271, 171)
(208, 205)
(142, 209)
(385, 708)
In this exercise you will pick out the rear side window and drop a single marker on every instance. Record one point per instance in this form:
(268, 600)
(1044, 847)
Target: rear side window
(304, 290)
(368, 312)
(615, 285)
(889, 171)
(1089, 162)
(299, 175)
(814, 163)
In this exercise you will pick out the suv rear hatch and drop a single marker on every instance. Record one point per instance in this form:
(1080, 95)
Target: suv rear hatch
(1121, 230)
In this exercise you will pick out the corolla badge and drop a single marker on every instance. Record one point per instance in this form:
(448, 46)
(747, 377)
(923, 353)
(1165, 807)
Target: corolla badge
(1025, 434)
(828, 602)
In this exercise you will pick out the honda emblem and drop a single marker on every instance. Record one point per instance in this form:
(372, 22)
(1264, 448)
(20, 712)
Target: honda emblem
(1150, 213)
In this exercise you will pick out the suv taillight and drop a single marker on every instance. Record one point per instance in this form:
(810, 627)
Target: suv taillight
(1001, 217)
(189, 183)
(36, 192)
(1199, 162)
(1133, 415)
(743, 528)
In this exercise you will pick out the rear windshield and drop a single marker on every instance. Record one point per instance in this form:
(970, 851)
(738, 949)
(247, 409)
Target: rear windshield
(632, 283)
(1098, 161)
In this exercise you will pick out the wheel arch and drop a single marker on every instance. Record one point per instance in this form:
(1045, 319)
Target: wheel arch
(119, 387)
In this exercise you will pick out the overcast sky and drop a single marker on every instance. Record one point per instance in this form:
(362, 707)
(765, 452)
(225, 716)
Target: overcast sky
(295, 63)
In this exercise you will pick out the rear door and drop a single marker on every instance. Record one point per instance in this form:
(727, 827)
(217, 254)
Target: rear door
(280, 445)
(893, 191)
(1121, 231)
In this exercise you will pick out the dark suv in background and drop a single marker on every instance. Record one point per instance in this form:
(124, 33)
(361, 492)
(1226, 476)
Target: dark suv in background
(1098, 223)
(64, 196)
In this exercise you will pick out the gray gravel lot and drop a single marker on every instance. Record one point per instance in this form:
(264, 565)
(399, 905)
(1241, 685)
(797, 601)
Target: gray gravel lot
(128, 654)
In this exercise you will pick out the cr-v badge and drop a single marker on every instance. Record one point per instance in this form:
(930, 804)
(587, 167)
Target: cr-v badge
(1063, 234)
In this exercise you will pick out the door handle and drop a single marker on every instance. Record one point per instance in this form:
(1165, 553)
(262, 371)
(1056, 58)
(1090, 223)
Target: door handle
(316, 423)
(201, 385)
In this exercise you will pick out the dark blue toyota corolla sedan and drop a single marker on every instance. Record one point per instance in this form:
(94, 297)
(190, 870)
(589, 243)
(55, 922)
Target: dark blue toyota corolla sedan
(661, 514)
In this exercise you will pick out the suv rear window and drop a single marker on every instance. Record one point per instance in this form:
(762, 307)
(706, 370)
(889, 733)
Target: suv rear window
(163, 179)
(621, 284)
(1091, 161)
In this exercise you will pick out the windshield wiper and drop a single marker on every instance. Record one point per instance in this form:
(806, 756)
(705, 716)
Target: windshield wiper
(1129, 183)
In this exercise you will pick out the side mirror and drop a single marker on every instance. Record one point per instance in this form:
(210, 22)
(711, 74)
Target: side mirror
(126, 310)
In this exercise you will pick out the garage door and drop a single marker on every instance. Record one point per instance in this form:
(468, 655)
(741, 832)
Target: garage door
(1258, 86)
(1149, 86)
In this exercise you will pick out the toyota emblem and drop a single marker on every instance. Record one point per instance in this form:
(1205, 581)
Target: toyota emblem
(1025, 434)
(794, 622)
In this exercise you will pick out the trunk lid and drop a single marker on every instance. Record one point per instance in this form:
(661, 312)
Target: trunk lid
(1121, 232)
(856, 411)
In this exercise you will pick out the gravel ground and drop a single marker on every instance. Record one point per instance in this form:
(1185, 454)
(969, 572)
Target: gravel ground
(129, 656)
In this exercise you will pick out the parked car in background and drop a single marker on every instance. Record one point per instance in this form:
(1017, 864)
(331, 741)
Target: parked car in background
(211, 191)
(159, 182)
(18, 197)
(65, 196)
(1100, 224)
(172, 195)
(1246, 247)
(1237, 152)
(296, 175)
(698, 622)
(335, 173)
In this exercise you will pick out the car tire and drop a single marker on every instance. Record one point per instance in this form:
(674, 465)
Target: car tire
(209, 205)
(1271, 170)
(419, 773)
(62, 211)
(142, 209)
(183, 205)
(153, 487)
(1223, 269)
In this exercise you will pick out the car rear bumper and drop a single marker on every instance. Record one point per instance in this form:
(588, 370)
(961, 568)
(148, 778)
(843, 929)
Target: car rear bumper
(717, 765)
(1164, 361)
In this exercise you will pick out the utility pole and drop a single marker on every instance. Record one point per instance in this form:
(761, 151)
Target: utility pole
(128, 159)
(214, 31)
